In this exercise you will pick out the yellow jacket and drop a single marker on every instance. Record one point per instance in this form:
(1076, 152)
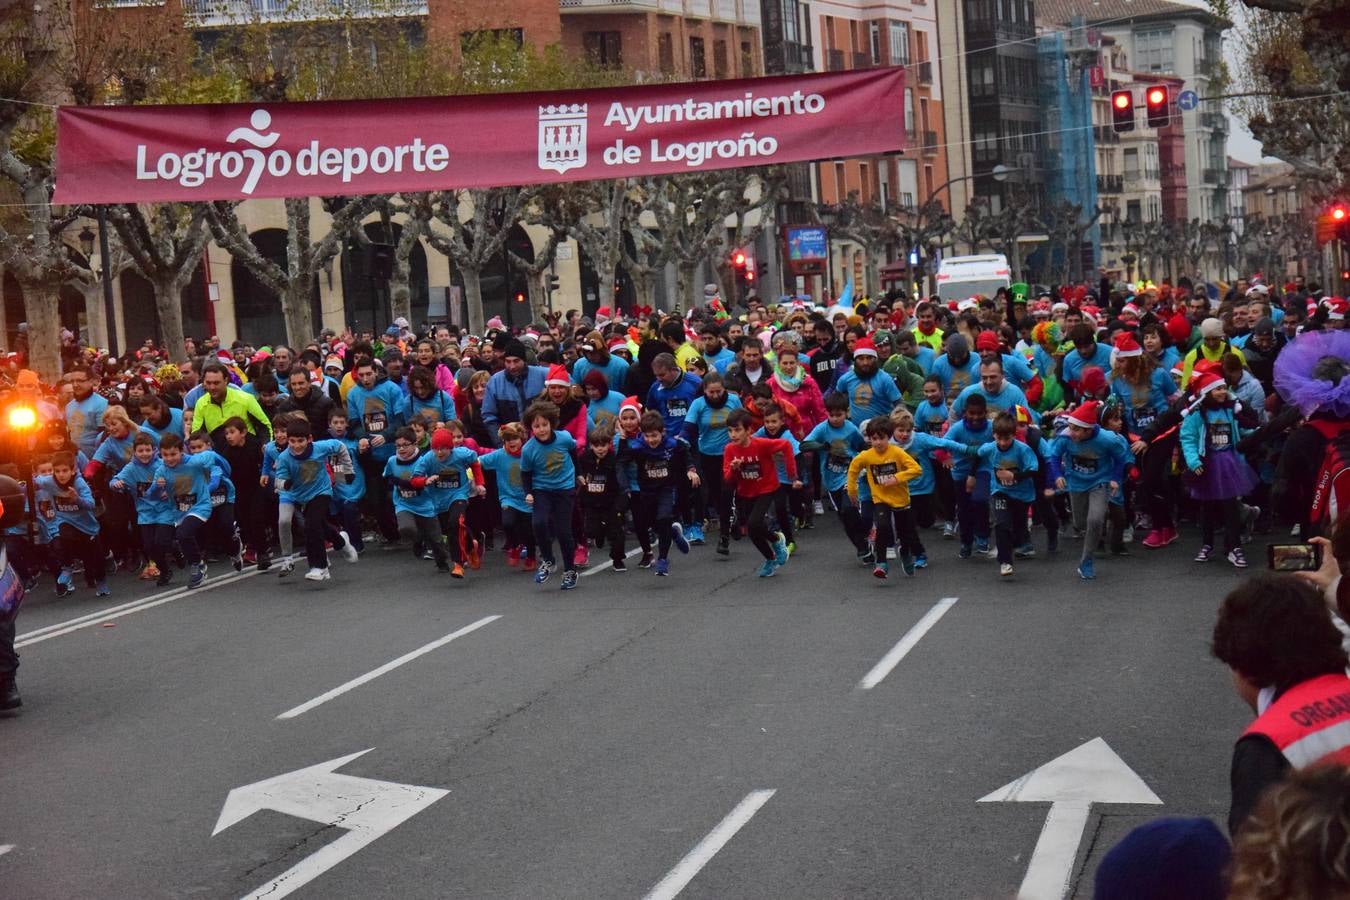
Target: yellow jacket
(888, 475)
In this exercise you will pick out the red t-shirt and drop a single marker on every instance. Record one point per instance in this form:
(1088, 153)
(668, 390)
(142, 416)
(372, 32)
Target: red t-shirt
(758, 475)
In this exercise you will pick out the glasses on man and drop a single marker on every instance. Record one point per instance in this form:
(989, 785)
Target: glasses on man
(403, 445)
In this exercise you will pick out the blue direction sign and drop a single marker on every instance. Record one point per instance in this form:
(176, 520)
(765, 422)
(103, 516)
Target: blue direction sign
(1187, 100)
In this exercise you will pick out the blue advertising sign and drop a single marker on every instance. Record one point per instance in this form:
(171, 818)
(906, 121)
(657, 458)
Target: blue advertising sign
(806, 244)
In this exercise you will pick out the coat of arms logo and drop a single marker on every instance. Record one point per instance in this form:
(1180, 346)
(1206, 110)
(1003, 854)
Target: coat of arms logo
(562, 137)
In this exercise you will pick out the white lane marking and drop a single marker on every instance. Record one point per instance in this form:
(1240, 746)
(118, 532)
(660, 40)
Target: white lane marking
(5, 848)
(906, 644)
(683, 873)
(384, 669)
(609, 562)
(116, 612)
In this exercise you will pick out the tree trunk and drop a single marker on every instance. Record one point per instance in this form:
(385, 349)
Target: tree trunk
(169, 311)
(92, 291)
(684, 287)
(644, 285)
(607, 278)
(400, 291)
(726, 280)
(42, 312)
(537, 292)
(473, 299)
(873, 272)
(295, 304)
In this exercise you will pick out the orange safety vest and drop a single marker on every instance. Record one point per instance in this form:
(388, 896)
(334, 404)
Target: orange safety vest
(1310, 722)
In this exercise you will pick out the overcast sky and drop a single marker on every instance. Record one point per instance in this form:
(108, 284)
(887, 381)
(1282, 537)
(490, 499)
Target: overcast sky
(1241, 144)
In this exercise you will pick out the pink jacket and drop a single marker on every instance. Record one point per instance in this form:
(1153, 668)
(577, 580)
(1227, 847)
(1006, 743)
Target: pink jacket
(808, 400)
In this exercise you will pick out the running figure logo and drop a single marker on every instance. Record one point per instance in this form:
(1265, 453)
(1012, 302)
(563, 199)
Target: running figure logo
(562, 137)
(261, 120)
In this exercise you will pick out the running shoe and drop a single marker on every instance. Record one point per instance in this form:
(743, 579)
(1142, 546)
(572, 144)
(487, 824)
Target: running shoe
(723, 546)
(780, 550)
(512, 557)
(197, 576)
(475, 554)
(1026, 551)
(767, 569)
(868, 556)
(569, 580)
(456, 571)
(287, 567)
(545, 569)
(348, 548)
(1155, 539)
(1005, 569)
(101, 590)
(818, 507)
(982, 548)
(906, 563)
(317, 574)
(582, 556)
(528, 564)
(921, 561)
(1238, 558)
(164, 578)
(964, 552)
(620, 566)
(678, 538)
(948, 531)
(646, 561)
(150, 572)
(237, 551)
(695, 534)
(662, 567)
(1086, 570)
(882, 570)
(1205, 554)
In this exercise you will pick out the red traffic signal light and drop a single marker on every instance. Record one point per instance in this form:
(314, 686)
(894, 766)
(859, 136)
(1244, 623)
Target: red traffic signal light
(749, 274)
(1122, 110)
(738, 259)
(1156, 106)
(520, 298)
(1338, 213)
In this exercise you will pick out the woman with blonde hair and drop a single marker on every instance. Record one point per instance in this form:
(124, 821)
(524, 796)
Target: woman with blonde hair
(1296, 846)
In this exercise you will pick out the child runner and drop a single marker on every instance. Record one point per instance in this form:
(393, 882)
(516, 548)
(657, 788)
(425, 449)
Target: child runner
(447, 472)
(705, 427)
(630, 422)
(154, 512)
(516, 513)
(66, 506)
(244, 452)
(221, 530)
(347, 495)
(659, 460)
(836, 441)
(285, 505)
(1011, 468)
(1082, 460)
(748, 465)
(1117, 514)
(303, 472)
(972, 506)
(775, 427)
(1218, 475)
(603, 493)
(888, 470)
(186, 479)
(930, 417)
(550, 478)
(923, 446)
(414, 509)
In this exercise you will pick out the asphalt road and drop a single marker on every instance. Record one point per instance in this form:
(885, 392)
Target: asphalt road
(591, 742)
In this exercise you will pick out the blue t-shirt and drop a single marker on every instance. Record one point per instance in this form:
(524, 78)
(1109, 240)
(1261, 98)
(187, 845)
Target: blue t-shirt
(778, 459)
(1074, 363)
(1018, 459)
(874, 396)
(174, 425)
(720, 360)
(55, 510)
(114, 453)
(381, 411)
(1142, 405)
(615, 371)
(840, 446)
(510, 490)
(962, 433)
(84, 421)
(189, 485)
(921, 447)
(350, 493)
(550, 467)
(930, 418)
(1087, 463)
(707, 424)
(603, 412)
(673, 402)
(1003, 401)
(436, 408)
(306, 476)
(953, 378)
(453, 481)
(406, 497)
(152, 502)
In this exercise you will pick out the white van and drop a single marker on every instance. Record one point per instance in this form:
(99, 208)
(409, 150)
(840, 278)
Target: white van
(960, 277)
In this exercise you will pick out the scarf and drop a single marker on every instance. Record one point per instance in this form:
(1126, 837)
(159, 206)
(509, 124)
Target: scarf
(789, 384)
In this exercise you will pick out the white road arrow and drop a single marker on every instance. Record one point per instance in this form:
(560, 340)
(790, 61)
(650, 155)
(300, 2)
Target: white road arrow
(364, 807)
(1092, 773)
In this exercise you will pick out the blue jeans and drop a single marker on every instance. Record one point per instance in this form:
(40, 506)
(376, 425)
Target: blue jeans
(553, 518)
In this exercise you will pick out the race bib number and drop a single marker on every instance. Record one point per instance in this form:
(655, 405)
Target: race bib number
(67, 506)
(676, 409)
(376, 422)
(1000, 503)
(934, 426)
(46, 509)
(184, 502)
(218, 498)
(1143, 416)
(1219, 439)
(596, 485)
(449, 479)
(407, 493)
(884, 474)
(658, 471)
(837, 463)
(1083, 465)
(750, 471)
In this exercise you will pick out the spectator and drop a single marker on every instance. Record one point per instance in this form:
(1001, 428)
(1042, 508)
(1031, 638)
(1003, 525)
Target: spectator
(1297, 844)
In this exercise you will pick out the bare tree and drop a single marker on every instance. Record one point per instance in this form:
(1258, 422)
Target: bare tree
(867, 225)
(164, 242)
(476, 225)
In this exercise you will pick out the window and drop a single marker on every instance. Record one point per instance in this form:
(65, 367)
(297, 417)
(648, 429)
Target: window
(748, 59)
(899, 41)
(665, 52)
(909, 110)
(719, 59)
(603, 48)
(928, 179)
(698, 61)
(1132, 211)
(865, 180)
(1131, 163)
(874, 42)
(982, 76)
(986, 146)
(840, 182)
(789, 19)
(923, 113)
(1153, 50)
(921, 45)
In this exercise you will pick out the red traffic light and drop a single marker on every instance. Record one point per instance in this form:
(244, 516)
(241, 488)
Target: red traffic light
(1155, 106)
(1157, 95)
(749, 274)
(520, 298)
(738, 259)
(1338, 213)
(1122, 111)
(1122, 100)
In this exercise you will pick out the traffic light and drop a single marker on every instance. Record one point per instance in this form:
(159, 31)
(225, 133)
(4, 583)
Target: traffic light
(738, 259)
(1333, 223)
(520, 296)
(1122, 110)
(763, 271)
(749, 271)
(552, 283)
(1156, 106)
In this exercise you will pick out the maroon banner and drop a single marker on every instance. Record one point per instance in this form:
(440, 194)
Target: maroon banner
(119, 154)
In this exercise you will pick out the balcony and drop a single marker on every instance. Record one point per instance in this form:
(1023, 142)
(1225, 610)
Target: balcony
(798, 57)
(1214, 120)
(1105, 134)
(862, 60)
(923, 72)
(1218, 177)
(1110, 184)
(834, 61)
(214, 13)
(930, 143)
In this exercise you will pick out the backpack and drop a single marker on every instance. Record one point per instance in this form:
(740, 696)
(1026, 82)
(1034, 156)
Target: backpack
(1331, 493)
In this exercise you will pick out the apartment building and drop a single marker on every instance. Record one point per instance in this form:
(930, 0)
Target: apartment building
(687, 39)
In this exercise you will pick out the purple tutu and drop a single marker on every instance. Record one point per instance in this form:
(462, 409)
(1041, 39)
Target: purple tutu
(1227, 476)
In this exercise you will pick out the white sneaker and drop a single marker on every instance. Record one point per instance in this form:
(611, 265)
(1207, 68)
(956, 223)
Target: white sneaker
(317, 575)
(819, 507)
(348, 551)
(1005, 569)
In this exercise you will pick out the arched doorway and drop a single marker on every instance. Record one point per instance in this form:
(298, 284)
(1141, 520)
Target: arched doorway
(258, 317)
(69, 307)
(625, 296)
(140, 316)
(366, 271)
(505, 291)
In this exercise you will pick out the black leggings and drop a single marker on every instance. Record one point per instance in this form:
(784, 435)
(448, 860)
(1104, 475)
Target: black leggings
(157, 541)
(1156, 483)
(414, 528)
(902, 528)
(753, 512)
(73, 544)
(518, 528)
(452, 526)
(1221, 514)
(713, 490)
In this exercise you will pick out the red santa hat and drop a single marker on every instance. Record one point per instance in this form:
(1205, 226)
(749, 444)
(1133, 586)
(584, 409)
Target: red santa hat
(1337, 307)
(1127, 346)
(1129, 309)
(630, 403)
(1179, 330)
(1205, 382)
(864, 347)
(557, 374)
(1086, 415)
(617, 343)
(987, 340)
